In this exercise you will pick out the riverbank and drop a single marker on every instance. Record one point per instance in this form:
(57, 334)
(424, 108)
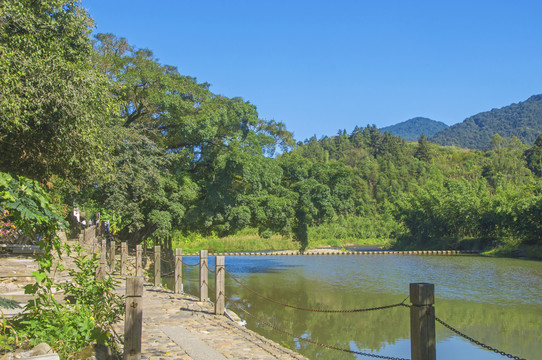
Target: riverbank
(179, 326)
(175, 326)
(248, 242)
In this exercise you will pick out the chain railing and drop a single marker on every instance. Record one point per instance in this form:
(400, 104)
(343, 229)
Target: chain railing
(331, 347)
(313, 310)
(426, 312)
(487, 347)
(208, 269)
(192, 265)
(167, 261)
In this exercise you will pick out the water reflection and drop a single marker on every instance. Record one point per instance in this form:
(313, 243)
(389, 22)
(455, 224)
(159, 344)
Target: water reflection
(496, 301)
(244, 265)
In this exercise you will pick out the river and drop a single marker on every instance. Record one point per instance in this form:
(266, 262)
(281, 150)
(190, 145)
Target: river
(495, 301)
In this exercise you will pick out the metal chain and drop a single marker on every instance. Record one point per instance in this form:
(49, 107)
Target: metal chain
(167, 261)
(189, 264)
(191, 281)
(208, 269)
(487, 347)
(314, 310)
(309, 340)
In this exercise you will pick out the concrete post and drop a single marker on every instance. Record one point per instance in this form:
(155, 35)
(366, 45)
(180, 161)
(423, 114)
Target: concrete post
(123, 258)
(139, 260)
(220, 288)
(178, 271)
(203, 275)
(134, 318)
(157, 266)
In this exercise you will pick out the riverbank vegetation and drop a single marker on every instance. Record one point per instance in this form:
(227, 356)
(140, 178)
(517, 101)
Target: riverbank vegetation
(95, 122)
(104, 125)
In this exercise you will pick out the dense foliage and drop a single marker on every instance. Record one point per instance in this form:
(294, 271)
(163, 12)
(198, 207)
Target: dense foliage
(53, 106)
(424, 194)
(53, 102)
(523, 120)
(108, 127)
(105, 126)
(412, 129)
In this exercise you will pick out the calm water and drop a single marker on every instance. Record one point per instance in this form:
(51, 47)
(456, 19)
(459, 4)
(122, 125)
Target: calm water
(496, 301)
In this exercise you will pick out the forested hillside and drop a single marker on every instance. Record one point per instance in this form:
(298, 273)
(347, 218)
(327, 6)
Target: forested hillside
(104, 125)
(523, 120)
(376, 185)
(412, 129)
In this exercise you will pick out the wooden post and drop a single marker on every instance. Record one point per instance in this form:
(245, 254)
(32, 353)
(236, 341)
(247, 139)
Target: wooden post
(134, 318)
(422, 321)
(203, 276)
(157, 266)
(123, 258)
(112, 250)
(178, 271)
(220, 291)
(86, 239)
(100, 272)
(139, 258)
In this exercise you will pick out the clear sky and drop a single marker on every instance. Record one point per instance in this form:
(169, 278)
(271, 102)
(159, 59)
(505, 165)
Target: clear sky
(320, 66)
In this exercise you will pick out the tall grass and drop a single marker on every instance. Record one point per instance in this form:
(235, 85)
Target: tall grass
(246, 240)
(352, 231)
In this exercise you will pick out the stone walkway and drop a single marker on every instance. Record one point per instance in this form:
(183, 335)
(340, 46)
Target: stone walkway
(179, 326)
(175, 326)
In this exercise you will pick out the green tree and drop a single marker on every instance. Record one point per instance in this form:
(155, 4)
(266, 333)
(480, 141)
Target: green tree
(140, 193)
(53, 102)
(497, 142)
(215, 142)
(534, 157)
(422, 150)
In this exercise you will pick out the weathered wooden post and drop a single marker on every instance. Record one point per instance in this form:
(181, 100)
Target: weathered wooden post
(203, 275)
(123, 258)
(134, 318)
(100, 272)
(220, 288)
(112, 250)
(157, 266)
(178, 271)
(86, 239)
(422, 321)
(139, 259)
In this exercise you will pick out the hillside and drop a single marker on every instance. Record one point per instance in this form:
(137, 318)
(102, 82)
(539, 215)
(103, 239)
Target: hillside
(412, 129)
(523, 120)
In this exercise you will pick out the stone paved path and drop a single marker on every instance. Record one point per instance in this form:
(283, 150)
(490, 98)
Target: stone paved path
(175, 326)
(179, 326)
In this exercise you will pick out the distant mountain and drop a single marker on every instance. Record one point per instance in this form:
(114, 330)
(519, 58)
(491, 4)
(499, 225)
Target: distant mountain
(412, 129)
(523, 120)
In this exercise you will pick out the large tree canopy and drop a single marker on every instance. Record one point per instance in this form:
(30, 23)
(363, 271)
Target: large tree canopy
(53, 102)
(156, 151)
(184, 157)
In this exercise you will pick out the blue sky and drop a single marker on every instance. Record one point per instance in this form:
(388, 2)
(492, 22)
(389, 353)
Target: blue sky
(320, 66)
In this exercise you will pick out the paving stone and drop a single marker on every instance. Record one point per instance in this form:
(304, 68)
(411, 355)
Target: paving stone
(164, 310)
